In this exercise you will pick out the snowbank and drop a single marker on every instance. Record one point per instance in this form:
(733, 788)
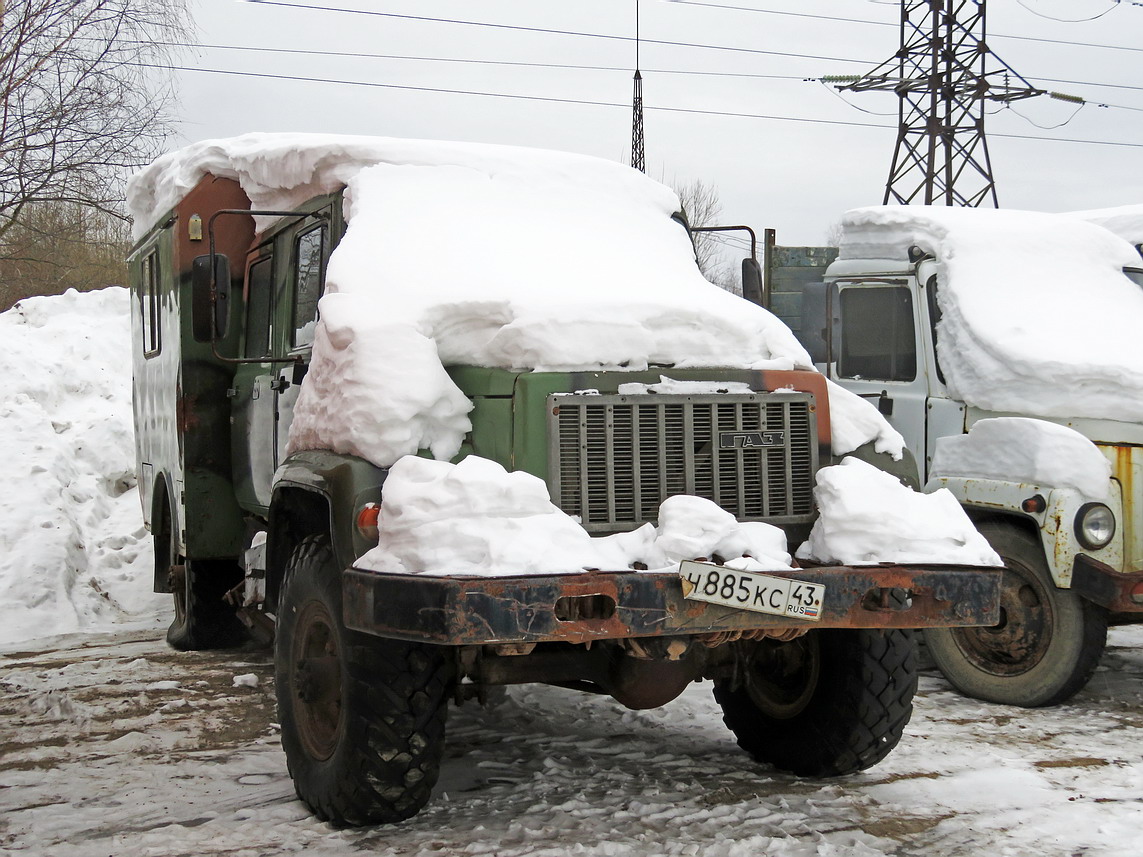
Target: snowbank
(1037, 315)
(500, 256)
(73, 551)
(868, 516)
(1015, 449)
(477, 519)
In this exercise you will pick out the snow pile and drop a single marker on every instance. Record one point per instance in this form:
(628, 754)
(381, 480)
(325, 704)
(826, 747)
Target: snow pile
(73, 550)
(500, 256)
(477, 519)
(1037, 315)
(868, 516)
(855, 421)
(474, 518)
(368, 367)
(1015, 449)
(1126, 221)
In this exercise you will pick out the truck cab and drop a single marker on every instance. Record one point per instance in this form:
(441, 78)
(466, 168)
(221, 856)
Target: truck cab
(1075, 561)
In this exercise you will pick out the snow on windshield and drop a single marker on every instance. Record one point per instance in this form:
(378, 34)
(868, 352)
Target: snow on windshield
(488, 256)
(1038, 317)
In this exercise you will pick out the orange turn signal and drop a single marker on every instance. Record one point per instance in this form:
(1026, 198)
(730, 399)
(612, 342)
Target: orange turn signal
(367, 521)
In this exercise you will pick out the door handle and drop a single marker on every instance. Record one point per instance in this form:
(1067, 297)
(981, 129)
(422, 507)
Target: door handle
(884, 402)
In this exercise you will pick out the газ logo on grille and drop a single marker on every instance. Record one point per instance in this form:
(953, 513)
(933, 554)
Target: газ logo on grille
(750, 439)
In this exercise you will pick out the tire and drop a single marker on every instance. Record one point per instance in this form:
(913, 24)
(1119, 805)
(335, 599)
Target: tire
(829, 703)
(1047, 645)
(203, 620)
(363, 718)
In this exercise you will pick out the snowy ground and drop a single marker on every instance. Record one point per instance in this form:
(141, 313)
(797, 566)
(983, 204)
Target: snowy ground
(117, 745)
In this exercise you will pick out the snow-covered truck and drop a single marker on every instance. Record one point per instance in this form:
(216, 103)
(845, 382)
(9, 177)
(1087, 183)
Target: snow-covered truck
(1004, 346)
(524, 441)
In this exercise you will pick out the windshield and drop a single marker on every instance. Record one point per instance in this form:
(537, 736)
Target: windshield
(1135, 275)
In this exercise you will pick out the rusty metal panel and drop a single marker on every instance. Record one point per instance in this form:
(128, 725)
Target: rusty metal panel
(590, 606)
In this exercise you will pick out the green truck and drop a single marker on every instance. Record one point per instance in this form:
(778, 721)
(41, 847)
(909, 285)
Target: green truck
(247, 537)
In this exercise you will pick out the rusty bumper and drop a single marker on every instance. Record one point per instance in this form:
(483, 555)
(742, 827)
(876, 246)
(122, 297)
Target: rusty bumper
(579, 608)
(1119, 592)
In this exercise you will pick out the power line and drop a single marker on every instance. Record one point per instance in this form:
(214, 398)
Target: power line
(548, 30)
(585, 102)
(571, 66)
(892, 24)
(472, 61)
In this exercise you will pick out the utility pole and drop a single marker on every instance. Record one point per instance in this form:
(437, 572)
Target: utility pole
(637, 159)
(942, 79)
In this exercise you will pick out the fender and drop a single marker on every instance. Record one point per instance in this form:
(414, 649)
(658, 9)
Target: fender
(340, 483)
(1055, 523)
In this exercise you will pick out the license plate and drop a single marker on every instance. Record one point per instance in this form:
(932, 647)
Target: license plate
(746, 590)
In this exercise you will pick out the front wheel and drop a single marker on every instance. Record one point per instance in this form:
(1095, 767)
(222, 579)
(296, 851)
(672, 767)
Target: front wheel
(1048, 641)
(363, 718)
(831, 702)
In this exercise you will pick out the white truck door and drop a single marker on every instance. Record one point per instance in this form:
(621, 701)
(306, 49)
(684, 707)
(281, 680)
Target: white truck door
(880, 353)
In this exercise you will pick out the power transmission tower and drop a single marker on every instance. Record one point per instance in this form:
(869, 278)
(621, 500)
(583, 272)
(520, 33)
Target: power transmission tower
(942, 79)
(637, 159)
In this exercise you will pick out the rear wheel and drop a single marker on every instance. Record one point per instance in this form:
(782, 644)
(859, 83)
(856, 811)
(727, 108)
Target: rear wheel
(828, 703)
(1048, 641)
(363, 718)
(203, 620)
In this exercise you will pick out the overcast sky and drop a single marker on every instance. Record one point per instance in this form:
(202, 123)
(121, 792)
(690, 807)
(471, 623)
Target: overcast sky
(796, 176)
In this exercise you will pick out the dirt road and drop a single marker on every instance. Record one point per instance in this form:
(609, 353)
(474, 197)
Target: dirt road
(119, 746)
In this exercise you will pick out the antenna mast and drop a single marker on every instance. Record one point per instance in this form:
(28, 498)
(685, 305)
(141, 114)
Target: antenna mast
(637, 159)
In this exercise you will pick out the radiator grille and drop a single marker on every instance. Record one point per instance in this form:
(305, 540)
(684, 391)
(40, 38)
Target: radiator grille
(616, 458)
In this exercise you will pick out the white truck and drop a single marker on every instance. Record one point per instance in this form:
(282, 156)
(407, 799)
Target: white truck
(945, 318)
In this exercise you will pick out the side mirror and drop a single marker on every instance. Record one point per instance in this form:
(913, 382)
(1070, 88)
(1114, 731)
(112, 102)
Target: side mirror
(752, 288)
(208, 325)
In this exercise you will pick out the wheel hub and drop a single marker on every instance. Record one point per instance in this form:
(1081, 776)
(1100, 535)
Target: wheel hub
(1021, 639)
(782, 677)
(316, 679)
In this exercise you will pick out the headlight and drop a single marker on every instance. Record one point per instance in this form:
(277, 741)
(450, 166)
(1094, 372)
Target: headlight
(1095, 526)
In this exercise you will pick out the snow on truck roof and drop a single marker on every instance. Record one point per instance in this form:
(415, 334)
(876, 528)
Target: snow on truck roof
(496, 256)
(1037, 316)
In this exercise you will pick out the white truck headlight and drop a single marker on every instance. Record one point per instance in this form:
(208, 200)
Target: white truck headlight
(1095, 526)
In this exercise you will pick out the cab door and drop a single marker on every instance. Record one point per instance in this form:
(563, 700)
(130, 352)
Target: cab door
(880, 354)
(306, 247)
(253, 409)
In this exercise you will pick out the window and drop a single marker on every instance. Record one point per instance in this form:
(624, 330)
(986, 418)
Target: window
(308, 276)
(878, 339)
(150, 300)
(259, 281)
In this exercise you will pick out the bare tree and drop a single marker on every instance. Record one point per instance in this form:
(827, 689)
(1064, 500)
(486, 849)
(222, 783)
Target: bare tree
(703, 208)
(83, 99)
(56, 246)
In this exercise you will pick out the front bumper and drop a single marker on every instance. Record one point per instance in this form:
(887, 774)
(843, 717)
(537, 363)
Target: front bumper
(597, 605)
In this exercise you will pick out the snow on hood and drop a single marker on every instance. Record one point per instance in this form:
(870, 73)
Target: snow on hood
(73, 550)
(1016, 449)
(499, 256)
(1126, 221)
(1038, 317)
